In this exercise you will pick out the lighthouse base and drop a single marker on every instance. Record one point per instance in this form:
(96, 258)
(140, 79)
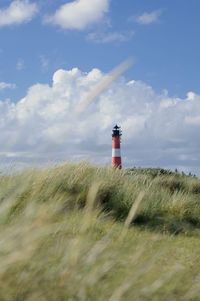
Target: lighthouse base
(116, 162)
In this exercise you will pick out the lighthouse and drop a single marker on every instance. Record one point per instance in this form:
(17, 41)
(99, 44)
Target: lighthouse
(116, 152)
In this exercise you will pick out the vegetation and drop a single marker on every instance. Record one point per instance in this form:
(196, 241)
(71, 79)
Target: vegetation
(78, 232)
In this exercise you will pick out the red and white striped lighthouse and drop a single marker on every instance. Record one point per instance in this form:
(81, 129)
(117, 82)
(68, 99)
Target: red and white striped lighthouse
(116, 152)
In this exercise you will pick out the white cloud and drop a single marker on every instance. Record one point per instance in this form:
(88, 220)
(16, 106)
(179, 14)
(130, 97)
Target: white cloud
(110, 37)
(79, 14)
(158, 130)
(149, 18)
(4, 86)
(19, 11)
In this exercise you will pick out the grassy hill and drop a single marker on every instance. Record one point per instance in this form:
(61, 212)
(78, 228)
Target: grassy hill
(78, 232)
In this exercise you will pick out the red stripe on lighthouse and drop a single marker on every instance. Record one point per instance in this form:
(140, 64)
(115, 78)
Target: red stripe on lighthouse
(116, 152)
(116, 142)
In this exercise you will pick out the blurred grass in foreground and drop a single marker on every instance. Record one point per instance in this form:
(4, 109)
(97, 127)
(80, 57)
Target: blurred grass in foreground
(77, 232)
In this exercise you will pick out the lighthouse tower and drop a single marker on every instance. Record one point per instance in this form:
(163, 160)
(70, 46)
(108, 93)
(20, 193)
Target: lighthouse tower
(116, 152)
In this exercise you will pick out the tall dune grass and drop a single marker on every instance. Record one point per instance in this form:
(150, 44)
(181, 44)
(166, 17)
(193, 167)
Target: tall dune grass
(170, 203)
(78, 232)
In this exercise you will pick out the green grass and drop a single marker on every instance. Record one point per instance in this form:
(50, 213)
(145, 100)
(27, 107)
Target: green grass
(78, 232)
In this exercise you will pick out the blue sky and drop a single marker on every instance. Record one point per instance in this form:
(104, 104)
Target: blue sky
(167, 51)
(42, 41)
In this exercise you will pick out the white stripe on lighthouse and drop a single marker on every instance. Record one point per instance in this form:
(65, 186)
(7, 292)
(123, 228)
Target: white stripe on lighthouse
(116, 152)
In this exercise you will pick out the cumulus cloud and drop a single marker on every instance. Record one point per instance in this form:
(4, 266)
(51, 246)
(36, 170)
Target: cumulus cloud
(19, 11)
(79, 14)
(110, 37)
(149, 17)
(4, 86)
(158, 130)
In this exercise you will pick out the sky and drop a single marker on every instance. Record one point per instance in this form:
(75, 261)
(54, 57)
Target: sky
(54, 52)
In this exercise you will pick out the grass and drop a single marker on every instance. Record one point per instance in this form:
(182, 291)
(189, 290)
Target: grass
(78, 232)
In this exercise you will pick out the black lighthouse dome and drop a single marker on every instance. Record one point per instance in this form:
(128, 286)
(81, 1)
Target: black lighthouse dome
(116, 131)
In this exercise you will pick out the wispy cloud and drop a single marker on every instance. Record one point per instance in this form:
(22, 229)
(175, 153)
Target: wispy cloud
(110, 37)
(19, 11)
(148, 17)
(4, 86)
(44, 63)
(20, 64)
(79, 14)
